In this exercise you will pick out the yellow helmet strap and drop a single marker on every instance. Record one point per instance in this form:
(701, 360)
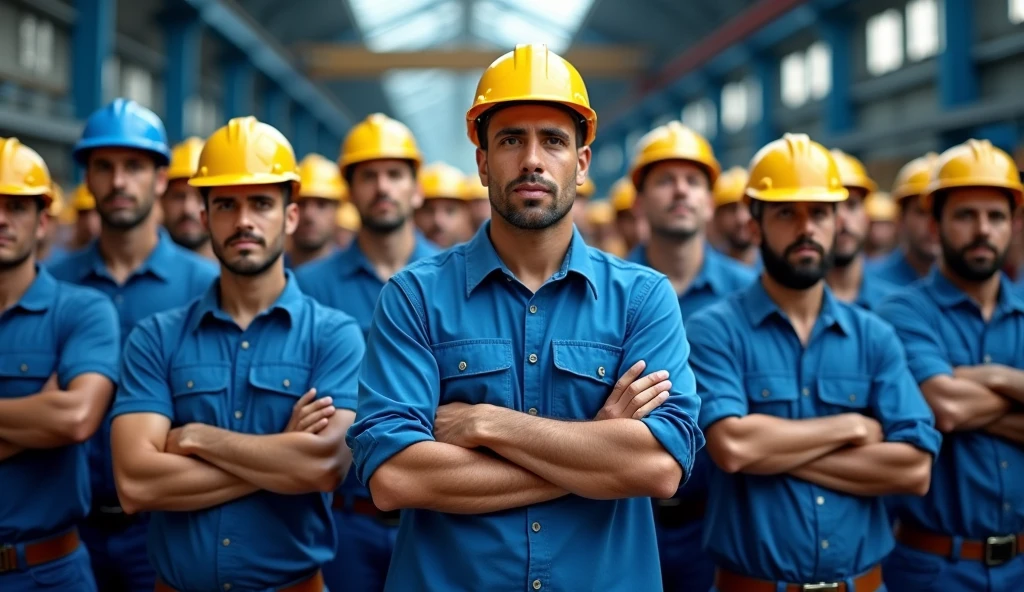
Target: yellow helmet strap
(483, 122)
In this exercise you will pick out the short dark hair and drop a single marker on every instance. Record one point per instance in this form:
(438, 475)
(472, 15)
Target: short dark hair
(349, 172)
(484, 121)
(286, 193)
(939, 199)
(647, 169)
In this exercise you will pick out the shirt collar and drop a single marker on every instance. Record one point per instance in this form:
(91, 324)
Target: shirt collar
(353, 260)
(949, 296)
(708, 276)
(160, 263)
(288, 303)
(40, 293)
(758, 307)
(482, 260)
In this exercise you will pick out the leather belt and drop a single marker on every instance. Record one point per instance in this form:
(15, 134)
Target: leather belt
(676, 512)
(365, 507)
(40, 552)
(314, 583)
(727, 581)
(993, 551)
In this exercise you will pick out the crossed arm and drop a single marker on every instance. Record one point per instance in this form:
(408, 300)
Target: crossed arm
(54, 417)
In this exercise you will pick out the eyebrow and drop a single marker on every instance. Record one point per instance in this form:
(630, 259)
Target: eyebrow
(510, 131)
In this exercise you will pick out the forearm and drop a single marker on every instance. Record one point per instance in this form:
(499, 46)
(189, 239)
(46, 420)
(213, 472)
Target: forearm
(446, 478)
(162, 481)
(8, 450)
(887, 468)
(1002, 380)
(788, 461)
(757, 440)
(610, 459)
(49, 419)
(962, 404)
(288, 463)
(1009, 426)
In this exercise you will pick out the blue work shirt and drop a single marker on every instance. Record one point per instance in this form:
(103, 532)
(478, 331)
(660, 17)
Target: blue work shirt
(748, 359)
(873, 290)
(67, 330)
(978, 482)
(194, 365)
(170, 277)
(347, 281)
(460, 327)
(893, 269)
(719, 276)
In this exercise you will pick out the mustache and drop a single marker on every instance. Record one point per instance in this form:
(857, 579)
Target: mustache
(804, 243)
(187, 218)
(383, 198)
(118, 193)
(983, 243)
(533, 179)
(246, 236)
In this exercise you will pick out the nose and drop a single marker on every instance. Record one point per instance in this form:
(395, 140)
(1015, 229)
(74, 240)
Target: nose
(532, 162)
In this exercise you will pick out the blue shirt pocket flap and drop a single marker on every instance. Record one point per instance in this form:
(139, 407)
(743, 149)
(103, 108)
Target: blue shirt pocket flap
(771, 388)
(472, 357)
(194, 380)
(587, 359)
(850, 392)
(280, 378)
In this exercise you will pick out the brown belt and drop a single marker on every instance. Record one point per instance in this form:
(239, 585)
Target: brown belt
(726, 581)
(365, 507)
(40, 552)
(993, 551)
(311, 584)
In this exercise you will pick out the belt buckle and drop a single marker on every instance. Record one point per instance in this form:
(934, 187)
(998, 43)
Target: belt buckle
(820, 586)
(1000, 549)
(8, 558)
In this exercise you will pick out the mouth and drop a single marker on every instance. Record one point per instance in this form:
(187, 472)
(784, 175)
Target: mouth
(532, 191)
(6, 240)
(244, 244)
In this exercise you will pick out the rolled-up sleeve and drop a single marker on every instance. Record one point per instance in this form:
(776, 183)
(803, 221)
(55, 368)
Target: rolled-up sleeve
(399, 384)
(340, 354)
(657, 336)
(897, 401)
(926, 355)
(93, 340)
(143, 387)
(716, 367)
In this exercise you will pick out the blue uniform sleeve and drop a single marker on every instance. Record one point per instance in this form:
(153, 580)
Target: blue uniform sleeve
(399, 383)
(144, 386)
(896, 399)
(656, 335)
(336, 372)
(717, 369)
(93, 339)
(926, 355)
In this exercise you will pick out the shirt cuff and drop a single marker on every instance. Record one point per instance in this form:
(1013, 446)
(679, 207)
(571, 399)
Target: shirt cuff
(99, 367)
(926, 368)
(920, 435)
(677, 437)
(370, 452)
(127, 407)
(345, 400)
(717, 409)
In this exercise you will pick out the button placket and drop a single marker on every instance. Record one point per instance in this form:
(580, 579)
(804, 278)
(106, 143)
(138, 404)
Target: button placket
(533, 371)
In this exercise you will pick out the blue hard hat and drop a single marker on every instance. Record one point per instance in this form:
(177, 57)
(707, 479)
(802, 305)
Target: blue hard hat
(123, 124)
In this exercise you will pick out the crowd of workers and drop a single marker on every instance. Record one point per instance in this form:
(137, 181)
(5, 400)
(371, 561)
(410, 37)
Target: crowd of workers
(232, 371)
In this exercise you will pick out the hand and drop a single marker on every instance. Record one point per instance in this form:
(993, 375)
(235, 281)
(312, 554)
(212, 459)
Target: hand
(633, 397)
(869, 430)
(173, 443)
(455, 423)
(52, 384)
(309, 415)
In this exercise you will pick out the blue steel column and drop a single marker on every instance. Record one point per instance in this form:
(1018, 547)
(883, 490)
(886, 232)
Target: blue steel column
(713, 92)
(304, 132)
(92, 43)
(958, 77)
(767, 71)
(239, 84)
(277, 109)
(182, 33)
(837, 31)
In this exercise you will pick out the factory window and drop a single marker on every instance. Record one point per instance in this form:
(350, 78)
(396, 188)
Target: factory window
(794, 80)
(35, 45)
(741, 104)
(922, 29)
(701, 117)
(819, 70)
(885, 42)
(138, 85)
(201, 116)
(1016, 11)
(111, 78)
(609, 159)
(632, 140)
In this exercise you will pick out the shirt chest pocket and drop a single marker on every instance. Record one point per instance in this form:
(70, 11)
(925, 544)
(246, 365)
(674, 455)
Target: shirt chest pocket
(475, 371)
(276, 387)
(23, 374)
(844, 394)
(585, 374)
(200, 393)
(774, 394)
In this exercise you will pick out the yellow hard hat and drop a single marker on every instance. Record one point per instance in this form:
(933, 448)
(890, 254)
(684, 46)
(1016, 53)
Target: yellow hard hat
(912, 179)
(473, 189)
(600, 211)
(852, 173)
(586, 189)
(531, 73)
(379, 137)
(673, 141)
(348, 216)
(23, 171)
(794, 168)
(246, 152)
(730, 186)
(185, 159)
(442, 181)
(83, 199)
(320, 177)
(881, 207)
(975, 163)
(623, 194)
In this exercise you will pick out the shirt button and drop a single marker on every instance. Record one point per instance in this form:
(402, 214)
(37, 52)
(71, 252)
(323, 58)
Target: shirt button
(190, 384)
(824, 544)
(536, 527)
(766, 393)
(820, 500)
(245, 345)
(600, 371)
(227, 586)
(238, 415)
(226, 542)
(1007, 507)
(533, 309)
(24, 367)
(118, 299)
(806, 392)
(1004, 464)
(462, 366)
(533, 358)
(987, 359)
(532, 411)
(853, 398)
(287, 383)
(537, 584)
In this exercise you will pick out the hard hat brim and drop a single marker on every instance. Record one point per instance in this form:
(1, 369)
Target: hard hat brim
(479, 110)
(23, 191)
(803, 194)
(320, 192)
(245, 179)
(359, 157)
(82, 148)
(968, 183)
(712, 169)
